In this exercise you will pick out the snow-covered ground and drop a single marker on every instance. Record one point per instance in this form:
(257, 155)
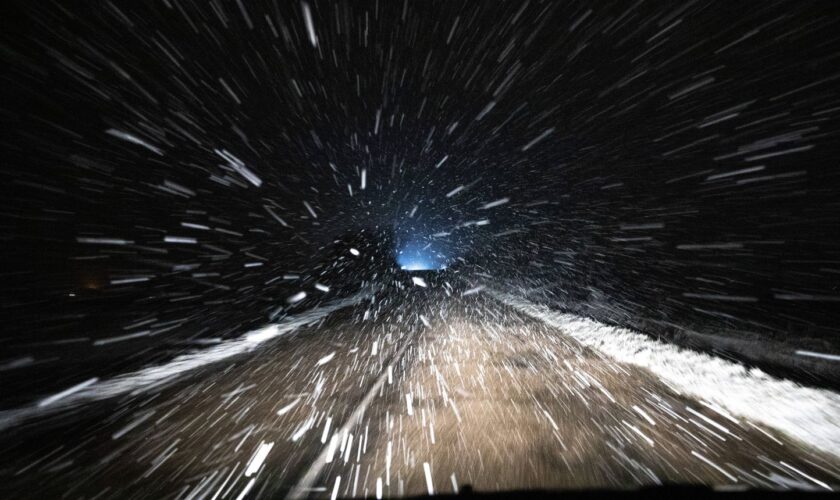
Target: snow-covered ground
(810, 415)
(154, 376)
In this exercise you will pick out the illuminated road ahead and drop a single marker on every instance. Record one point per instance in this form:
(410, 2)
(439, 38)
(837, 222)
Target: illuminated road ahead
(373, 400)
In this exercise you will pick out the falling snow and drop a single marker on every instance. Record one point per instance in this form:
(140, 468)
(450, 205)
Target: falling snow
(323, 249)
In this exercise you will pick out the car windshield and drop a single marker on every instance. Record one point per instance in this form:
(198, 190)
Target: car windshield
(399, 248)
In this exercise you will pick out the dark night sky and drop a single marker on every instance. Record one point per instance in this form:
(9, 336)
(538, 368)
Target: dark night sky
(669, 163)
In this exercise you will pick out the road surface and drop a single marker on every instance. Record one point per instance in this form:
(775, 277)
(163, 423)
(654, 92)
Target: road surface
(385, 398)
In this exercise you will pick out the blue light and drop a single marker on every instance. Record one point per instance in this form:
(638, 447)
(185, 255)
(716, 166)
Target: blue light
(420, 256)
